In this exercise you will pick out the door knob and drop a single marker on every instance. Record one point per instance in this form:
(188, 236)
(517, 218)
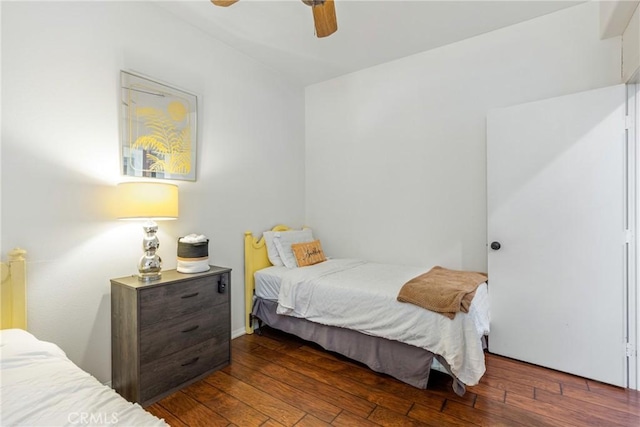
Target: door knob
(495, 245)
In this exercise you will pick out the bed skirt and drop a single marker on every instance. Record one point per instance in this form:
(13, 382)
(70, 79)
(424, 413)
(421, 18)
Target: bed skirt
(405, 362)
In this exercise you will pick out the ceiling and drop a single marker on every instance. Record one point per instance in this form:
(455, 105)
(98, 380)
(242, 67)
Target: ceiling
(280, 33)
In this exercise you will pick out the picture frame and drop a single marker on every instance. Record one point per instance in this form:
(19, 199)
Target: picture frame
(158, 132)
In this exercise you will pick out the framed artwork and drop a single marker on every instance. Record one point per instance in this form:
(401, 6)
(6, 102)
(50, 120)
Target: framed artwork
(158, 129)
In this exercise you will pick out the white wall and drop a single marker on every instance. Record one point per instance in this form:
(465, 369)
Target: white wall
(60, 70)
(637, 287)
(631, 47)
(614, 16)
(395, 154)
(1, 252)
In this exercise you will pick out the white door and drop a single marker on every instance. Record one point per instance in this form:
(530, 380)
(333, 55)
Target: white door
(556, 184)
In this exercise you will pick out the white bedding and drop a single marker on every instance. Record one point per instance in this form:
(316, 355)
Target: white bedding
(361, 295)
(268, 282)
(40, 386)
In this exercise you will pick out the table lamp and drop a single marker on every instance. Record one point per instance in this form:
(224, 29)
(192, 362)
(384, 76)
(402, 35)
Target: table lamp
(148, 201)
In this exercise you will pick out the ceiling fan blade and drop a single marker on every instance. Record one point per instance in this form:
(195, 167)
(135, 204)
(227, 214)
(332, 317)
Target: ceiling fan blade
(223, 3)
(324, 17)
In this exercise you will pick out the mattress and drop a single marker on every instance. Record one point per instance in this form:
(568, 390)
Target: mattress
(268, 282)
(361, 296)
(42, 387)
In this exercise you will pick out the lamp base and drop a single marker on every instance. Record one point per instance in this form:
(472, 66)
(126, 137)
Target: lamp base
(149, 267)
(150, 264)
(149, 277)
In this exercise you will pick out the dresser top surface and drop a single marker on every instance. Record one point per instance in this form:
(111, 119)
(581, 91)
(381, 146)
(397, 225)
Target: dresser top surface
(168, 276)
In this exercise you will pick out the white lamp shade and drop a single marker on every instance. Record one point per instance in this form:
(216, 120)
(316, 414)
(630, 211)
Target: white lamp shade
(147, 200)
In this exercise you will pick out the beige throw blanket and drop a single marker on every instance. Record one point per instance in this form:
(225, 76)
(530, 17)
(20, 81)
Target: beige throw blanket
(442, 290)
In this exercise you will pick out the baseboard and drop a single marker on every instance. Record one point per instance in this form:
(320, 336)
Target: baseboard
(238, 333)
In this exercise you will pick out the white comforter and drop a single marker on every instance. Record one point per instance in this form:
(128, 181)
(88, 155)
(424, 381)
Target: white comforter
(360, 295)
(40, 386)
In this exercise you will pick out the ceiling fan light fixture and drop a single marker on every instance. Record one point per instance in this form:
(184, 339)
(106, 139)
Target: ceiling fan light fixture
(324, 15)
(223, 3)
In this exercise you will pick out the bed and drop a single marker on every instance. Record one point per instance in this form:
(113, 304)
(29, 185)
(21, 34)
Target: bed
(40, 385)
(310, 302)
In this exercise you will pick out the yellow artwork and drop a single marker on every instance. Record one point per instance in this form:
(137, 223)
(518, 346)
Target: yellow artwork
(159, 129)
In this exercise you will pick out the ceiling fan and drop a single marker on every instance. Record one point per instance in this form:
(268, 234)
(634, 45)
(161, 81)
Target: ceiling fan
(324, 14)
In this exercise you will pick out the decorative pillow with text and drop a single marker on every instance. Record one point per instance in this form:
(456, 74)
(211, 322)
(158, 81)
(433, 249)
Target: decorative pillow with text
(308, 253)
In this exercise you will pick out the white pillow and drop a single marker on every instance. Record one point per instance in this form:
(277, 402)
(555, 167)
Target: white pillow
(272, 252)
(283, 241)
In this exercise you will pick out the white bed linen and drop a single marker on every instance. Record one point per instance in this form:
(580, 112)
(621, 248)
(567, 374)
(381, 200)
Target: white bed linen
(40, 386)
(361, 295)
(268, 282)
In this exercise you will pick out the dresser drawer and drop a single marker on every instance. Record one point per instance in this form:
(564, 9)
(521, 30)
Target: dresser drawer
(168, 302)
(164, 374)
(163, 338)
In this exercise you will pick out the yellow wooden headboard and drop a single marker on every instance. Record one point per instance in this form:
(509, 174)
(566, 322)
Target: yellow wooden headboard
(13, 291)
(255, 258)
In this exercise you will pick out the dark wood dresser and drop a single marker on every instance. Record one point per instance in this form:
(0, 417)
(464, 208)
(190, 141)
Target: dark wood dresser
(168, 333)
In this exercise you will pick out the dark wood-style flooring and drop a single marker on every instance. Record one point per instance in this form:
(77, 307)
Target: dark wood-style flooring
(280, 380)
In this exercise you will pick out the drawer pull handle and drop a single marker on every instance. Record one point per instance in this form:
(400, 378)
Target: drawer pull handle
(190, 362)
(193, 328)
(190, 295)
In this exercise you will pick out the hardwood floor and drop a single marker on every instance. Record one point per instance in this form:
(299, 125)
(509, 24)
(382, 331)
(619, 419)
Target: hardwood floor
(280, 380)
